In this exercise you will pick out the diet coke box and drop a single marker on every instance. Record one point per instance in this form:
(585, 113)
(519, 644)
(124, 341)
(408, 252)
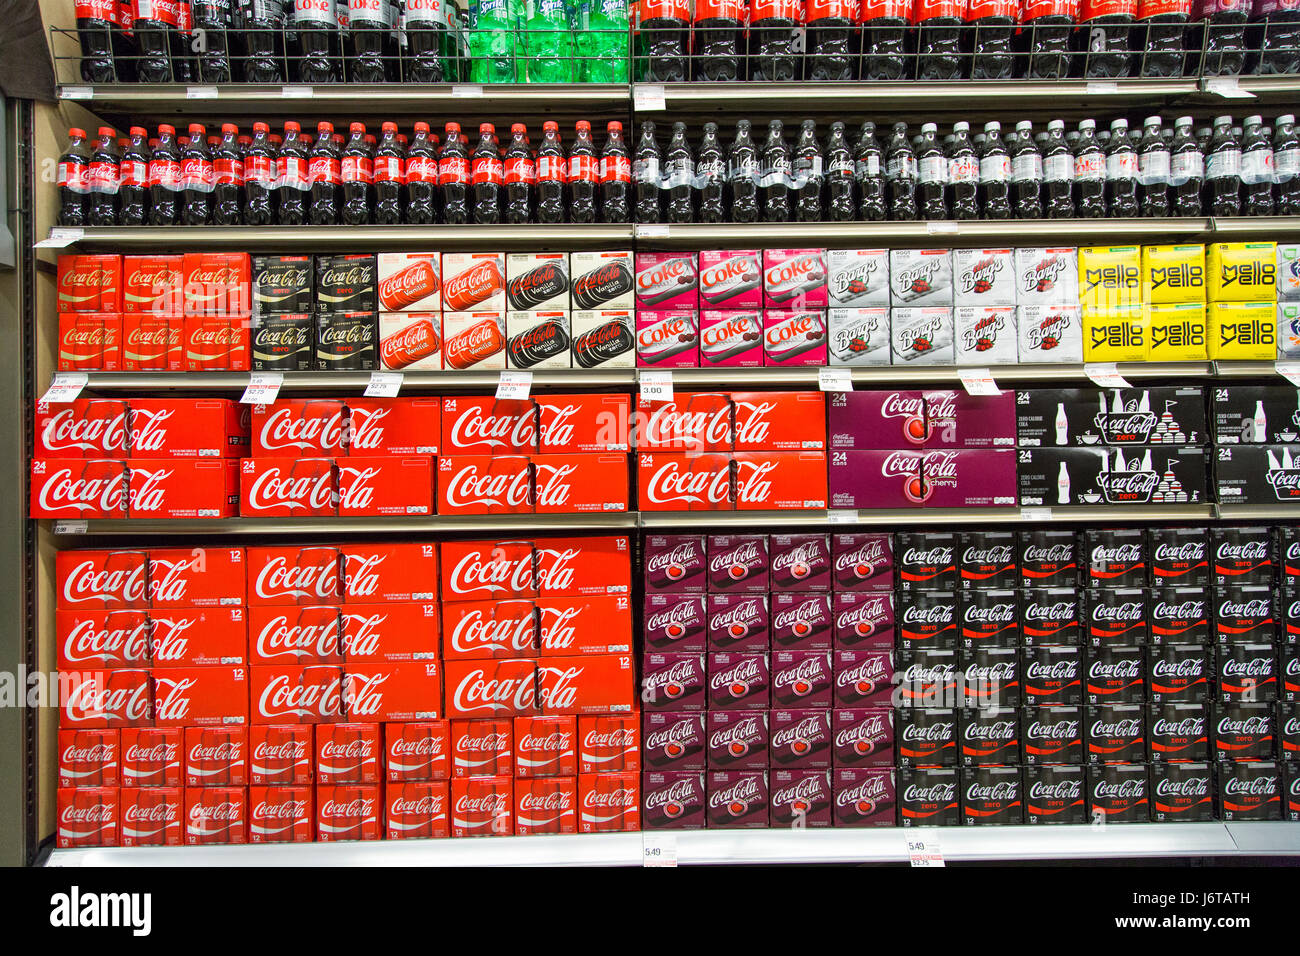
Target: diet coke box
(601, 280)
(473, 281)
(410, 282)
(416, 810)
(1052, 674)
(667, 280)
(731, 279)
(794, 279)
(1055, 794)
(151, 816)
(280, 754)
(419, 750)
(738, 563)
(800, 799)
(216, 756)
(604, 338)
(984, 277)
(609, 743)
(863, 677)
(675, 740)
(863, 620)
(88, 816)
(992, 796)
(794, 338)
(1118, 793)
(864, 737)
(672, 800)
(801, 678)
(216, 815)
(1180, 672)
(1047, 277)
(675, 563)
(151, 756)
(537, 281)
(859, 337)
(673, 681)
(89, 758)
(1182, 792)
(474, 340)
(410, 341)
(675, 622)
(538, 340)
(800, 562)
(857, 278)
(732, 338)
(868, 796)
(801, 621)
(922, 336)
(875, 479)
(737, 740)
(985, 335)
(801, 739)
(738, 622)
(609, 802)
(667, 339)
(1053, 735)
(920, 277)
(737, 799)
(738, 681)
(1049, 333)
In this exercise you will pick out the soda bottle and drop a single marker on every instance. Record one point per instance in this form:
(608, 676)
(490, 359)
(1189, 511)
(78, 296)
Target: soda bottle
(883, 28)
(583, 175)
(1107, 24)
(742, 175)
(963, 174)
(933, 173)
(808, 178)
(1166, 29)
(259, 178)
(1203, 138)
(1153, 169)
(679, 177)
(227, 178)
(938, 39)
(425, 27)
(74, 181)
(771, 39)
(901, 172)
(994, 174)
(1286, 165)
(212, 20)
(520, 174)
(1223, 169)
(1256, 168)
(389, 176)
(163, 179)
(182, 44)
(426, 172)
(548, 42)
(991, 23)
(1121, 172)
(840, 204)
(602, 42)
(710, 181)
(487, 175)
(1046, 29)
(616, 175)
(718, 28)
(662, 40)
(291, 184)
(316, 22)
(1280, 42)
(323, 176)
(647, 175)
(126, 52)
(869, 175)
(1225, 35)
(197, 178)
(552, 175)
(1058, 173)
(829, 29)
(357, 177)
(1026, 172)
(368, 29)
(774, 180)
(133, 177)
(95, 27)
(152, 24)
(1089, 173)
(263, 35)
(1186, 169)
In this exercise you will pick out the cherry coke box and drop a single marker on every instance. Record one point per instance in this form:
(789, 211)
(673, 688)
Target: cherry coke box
(674, 740)
(738, 563)
(800, 562)
(801, 621)
(731, 279)
(673, 681)
(151, 816)
(794, 278)
(89, 758)
(416, 810)
(737, 740)
(668, 339)
(801, 678)
(863, 562)
(284, 814)
(956, 419)
(863, 620)
(546, 805)
(89, 283)
(731, 338)
(969, 478)
(863, 678)
(800, 798)
(676, 563)
(864, 737)
(216, 815)
(87, 816)
(609, 743)
(672, 800)
(667, 280)
(794, 338)
(418, 750)
(866, 796)
(280, 754)
(78, 488)
(737, 622)
(875, 479)
(183, 488)
(737, 799)
(801, 739)
(738, 681)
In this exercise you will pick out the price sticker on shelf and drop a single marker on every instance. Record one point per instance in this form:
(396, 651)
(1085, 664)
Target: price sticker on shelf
(834, 379)
(262, 388)
(1289, 371)
(384, 385)
(942, 227)
(653, 231)
(467, 90)
(842, 516)
(925, 851)
(297, 92)
(1095, 87)
(66, 526)
(648, 96)
(658, 849)
(1035, 514)
(65, 386)
(76, 92)
(1229, 87)
(61, 237)
(978, 381)
(514, 385)
(200, 92)
(656, 384)
(1105, 375)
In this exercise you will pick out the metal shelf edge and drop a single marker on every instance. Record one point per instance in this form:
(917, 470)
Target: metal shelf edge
(334, 526)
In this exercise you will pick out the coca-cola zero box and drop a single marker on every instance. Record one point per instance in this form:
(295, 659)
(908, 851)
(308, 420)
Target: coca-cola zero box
(987, 559)
(1247, 672)
(1255, 414)
(989, 619)
(929, 797)
(347, 283)
(929, 620)
(1054, 794)
(1050, 616)
(282, 342)
(928, 737)
(1242, 555)
(1179, 556)
(992, 796)
(347, 340)
(1180, 616)
(1048, 558)
(1179, 731)
(1155, 416)
(1052, 673)
(1250, 790)
(602, 280)
(1116, 733)
(1180, 672)
(604, 338)
(283, 284)
(1182, 792)
(1053, 734)
(992, 677)
(1119, 793)
(1245, 731)
(1245, 613)
(988, 735)
(1256, 474)
(1116, 674)
(1116, 557)
(1060, 418)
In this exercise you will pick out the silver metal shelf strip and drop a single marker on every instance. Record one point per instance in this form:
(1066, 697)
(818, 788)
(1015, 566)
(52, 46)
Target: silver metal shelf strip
(1278, 512)
(343, 526)
(352, 238)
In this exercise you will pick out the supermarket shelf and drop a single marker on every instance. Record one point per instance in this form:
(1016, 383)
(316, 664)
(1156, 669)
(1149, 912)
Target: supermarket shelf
(1255, 227)
(445, 524)
(1224, 369)
(1277, 512)
(884, 845)
(912, 517)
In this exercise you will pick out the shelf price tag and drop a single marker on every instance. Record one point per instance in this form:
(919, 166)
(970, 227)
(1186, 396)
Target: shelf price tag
(842, 516)
(384, 385)
(834, 379)
(61, 237)
(76, 92)
(925, 851)
(1229, 87)
(1101, 86)
(71, 527)
(1289, 371)
(656, 384)
(978, 381)
(200, 92)
(514, 385)
(940, 227)
(262, 388)
(65, 386)
(651, 231)
(297, 92)
(648, 96)
(658, 849)
(1035, 514)
(1105, 375)
(467, 90)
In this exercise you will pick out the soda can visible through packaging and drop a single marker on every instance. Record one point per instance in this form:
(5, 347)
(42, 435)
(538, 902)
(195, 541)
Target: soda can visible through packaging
(922, 336)
(601, 280)
(857, 278)
(347, 283)
(985, 335)
(667, 339)
(603, 339)
(1046, 276)
(410, 281)
(410, 341)
(983, 277)
(859, 336)
(538, 340)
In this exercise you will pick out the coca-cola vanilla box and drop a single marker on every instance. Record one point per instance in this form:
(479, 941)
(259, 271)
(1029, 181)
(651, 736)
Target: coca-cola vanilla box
(537, 281)
(858, 336)
(985, 335)
(667, 280)
(922, 336)
(1047, 276)
(474, 340)
(667, 339)
(794, 337)
(731, 279)
(731, 338)
(410, 281)
(1049, 333)
(857, 278)
(603, 338)
(794, 278)
(410, 341)
(473, 281)
(538, 340)
(602, 280)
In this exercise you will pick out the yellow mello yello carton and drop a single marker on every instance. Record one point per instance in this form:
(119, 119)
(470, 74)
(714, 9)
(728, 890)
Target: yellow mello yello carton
(1176, 332)
(1243, 330)
(1241, 271)
(1110, 278)
(1115, 335)
(1173, 274)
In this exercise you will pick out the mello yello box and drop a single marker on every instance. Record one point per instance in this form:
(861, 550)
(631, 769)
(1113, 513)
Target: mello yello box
(1241, 271)
(1173, 274)
(1110, 278)
(1114, 335)
(1176, 332)
(1243, 330)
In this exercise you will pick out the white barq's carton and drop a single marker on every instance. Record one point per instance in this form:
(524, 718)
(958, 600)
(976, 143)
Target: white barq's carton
(984, 277)
(921, 336)
(1049, 333)
(857, 278)
(1047, 275)
(859, 336)
(985, 335)
(920, 277)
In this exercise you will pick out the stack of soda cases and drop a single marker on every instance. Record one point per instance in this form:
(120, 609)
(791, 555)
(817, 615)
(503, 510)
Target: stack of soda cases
(1257, 444)
(283, 334)
(602, 302)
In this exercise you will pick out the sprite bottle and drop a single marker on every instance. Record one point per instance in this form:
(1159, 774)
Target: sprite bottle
(548, 42)
(602, 41)
(492, 42)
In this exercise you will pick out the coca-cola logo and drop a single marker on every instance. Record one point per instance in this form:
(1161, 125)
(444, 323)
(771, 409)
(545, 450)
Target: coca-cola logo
(677, 795)
(65, 430)
(1255, 608)
(1250, 784)
(1229, 725)
(470, 487)
(1131, 788)
(1060, 611)
(1181, 727)
(671, 483)
(1254, 667)
(1001, 792)
(497, 573)
(477, 691)
(739, 797)
(1187, 787)
(1179, 553)
(1062, 728)
(61, 490)
(1062, 791)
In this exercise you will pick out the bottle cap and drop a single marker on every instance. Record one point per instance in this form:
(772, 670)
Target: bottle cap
(926, 128)
(992, 126)
(388, 127)
(518, 129)
(77, 132)
(355, 128)
(1223, 121)
(229, 128)
(139, 131)
(110, 132)
(550, 126)
(614, 126)
(1151, 121)
(290, 126)
(324, 127)
(486, 129)
(1254, 120)
(1056, 125)
(1087, 124)
(162, 128)
(1119, 124)
(961, 127)
(1184, 121)
(196, 129)
(582, 126)
(261, 128)
(1024, 126)
(1284, 119)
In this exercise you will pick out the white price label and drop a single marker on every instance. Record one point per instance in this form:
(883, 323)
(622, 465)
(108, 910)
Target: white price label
(1102, 86)
(1036, 514)
(76, 92)
(514, 385)
(384, 385)
(200, 92)
(648, 96)
(297, 92)
(61, 237)
(1105, 375)
(467, 90)
(834, 379)
(651, 232)
(978, 381)
(941, 227)
(1229, 87)
(658, 849)
(65, 386)
(925, 851)
(1289, 371)
(262, 388)
(70, 527)
(842, 516)
(656, 385)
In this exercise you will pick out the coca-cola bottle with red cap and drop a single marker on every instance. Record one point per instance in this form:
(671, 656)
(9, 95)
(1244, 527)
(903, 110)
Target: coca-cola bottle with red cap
(1107, 24)
(104, 179)
(259, 178)
(453, 174)
(291, 183)
(316, 23)
(421, 174)
(1279, 21)
(152, 23)
(884, 33)
(938, 39)
(263, 37)
(616, 175)
(520, 174)
(74, 181)
(1046, 27)
(96, 24)
(486, 176)
(1165, 23)
(356, 177)
(662, 40)
(830, 23)
(718, 28)
(164, 179)
(323, 176)
(551, 175)
(389, 174)
(227, 178)
(771, 39)
(197, 177)
(991, 23)
(133, 175)
(584, 174)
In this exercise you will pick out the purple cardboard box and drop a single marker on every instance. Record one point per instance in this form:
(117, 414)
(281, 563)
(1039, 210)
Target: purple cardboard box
(969, 478)
(738, 622)
(672, 800)
(676, 622)
(801, 621)
(863, 562)
(800, 562)
(864, 737)
(737, 799)
(957, 419)
(738, 562)
(801, 739)
(731, 279)
(876, 479)
(864, 796)
(667, 280)
(673, 740)
(864, 678)
(673, 682)
(876, 420)
(738, 681)
(801, 678)
(737, 740)
(675, 562)
(800, 798)
(864, 619)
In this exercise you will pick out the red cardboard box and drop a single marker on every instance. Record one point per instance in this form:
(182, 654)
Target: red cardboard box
(482, 748)
(151, 816)
(90, 758)
(596, 684)
(416, 810)
(90, 341)
(291, 694)
(304, 427)
(101, 638)
(281, 814)
(183, 488)
(295, 575)
(216, 343)
(288, 487)
(153, 284)
(585, 625)
(102, 579)
(583, 423)
(608, 743)
(390, 632)
(84, 428)
(196, 577)
(348, 753)
(90, 283)
(573, 567)
(403, 691)
(188, 428)
(217, 283)
(779, 421)
(300, 634)
(151, 756)
(546, 746)
(482, 484)
(347, 812)
(153, 343)
(482, 806)
(216, 756)
(394, 426)
(280, 754)
(677, 482)
(88, 816)
(418, 750)
(487, 630)
(389, 572)
(488, 426)
(121, 697)
(780, 480)
(506, 688)
(78, 488)
(194, 637)
(385, 486)
(609, 802)
(580, 484)
(690, 421)
(216, 815)
(488, 570)
(546, 805)
(200, 696)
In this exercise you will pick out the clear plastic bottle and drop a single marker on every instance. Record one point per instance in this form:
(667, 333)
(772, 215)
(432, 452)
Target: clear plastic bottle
(775, 177)
(74, 180)
(840, 205)
(552, 175)
(1256, 168)
(809, 176)
(1046, 28)
(647, 176)
(1186, 169)
(227, 179)
(323, 173)
(1225, 35)
(291, 183)
(1026, 173)
(719, 31)
(196, 179)
(616, 175)
(1089, 173)
(869, 175)
(389, 176)
(133, 178)
(743, 174)
(995, 174)
(1154, 169)
(963, 174)
(901, 173)
(938, 39)
(991, 25)
(1121, 172)
(662, 40)
(1223, 169)
(520, 175)
(679, 177)
(1279, 23)
(583, 174)
(711, 177)
(884, 32)
(104, 179)
(1286, 166)
(487, 176)
(357, 178)
(829, 32)
(933, 169)
(1164, 23)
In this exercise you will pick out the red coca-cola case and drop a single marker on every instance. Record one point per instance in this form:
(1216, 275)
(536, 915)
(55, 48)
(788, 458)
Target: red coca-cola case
(485, 484)
(288, 487)
(216, 756)
(486, 630)
(489, 426)
(90, 758)
(404, 691)
(418, 750)
(609, 743)
(779, 421)
(153, 343)
(304, 427)
(546, 746)
(151, 756)
(78, 488)
(488, 570)
(689, 421)
(582, 626)
(580, 484)
(216, 343)
(394, 426)
(87, 816)
(121, 697)
(482, 806)
(678, 482)
(200, 696)
(280, 754)
(100, 638)
(583, 423)
(215, 815)
(151, 816)
(90, 341)
(188, 428)
(385, 486)
(609, 802)
(217, 283)
(482, 747)
(295, 575)
(84, 428)
(153, 284)
(546, 805)
(389, 572)
(390, 632)
(780, 480)
(190, 637)
(596, 684)
(102, 579)
(573, 567)
(348, 753)
(196, 577)
(311, 694)
(183, 488)
(347, 811)
(283, 814)
(416, 810)
(301, 634)
(505, 688)
(90, 283)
